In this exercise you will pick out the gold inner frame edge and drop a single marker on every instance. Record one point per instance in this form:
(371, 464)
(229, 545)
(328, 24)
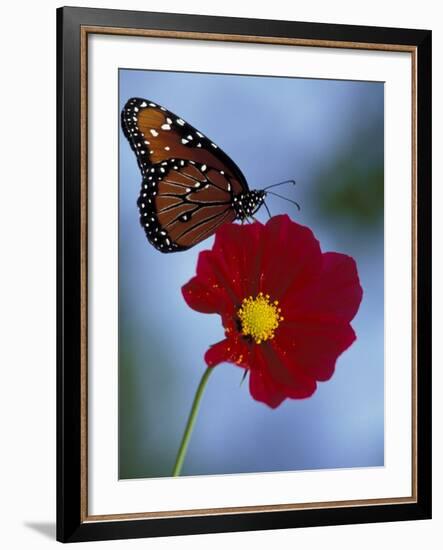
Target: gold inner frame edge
(84, 32)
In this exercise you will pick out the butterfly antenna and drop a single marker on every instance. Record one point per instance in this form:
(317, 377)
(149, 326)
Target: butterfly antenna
(267, 210)
(281, 183)
(284, 198)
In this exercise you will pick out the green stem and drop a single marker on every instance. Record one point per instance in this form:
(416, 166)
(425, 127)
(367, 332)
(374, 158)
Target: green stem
(190, 424)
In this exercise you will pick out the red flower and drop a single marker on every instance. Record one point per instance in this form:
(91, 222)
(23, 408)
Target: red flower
(285, 305)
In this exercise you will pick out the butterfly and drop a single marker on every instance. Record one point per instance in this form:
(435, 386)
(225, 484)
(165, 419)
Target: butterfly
(190, 187)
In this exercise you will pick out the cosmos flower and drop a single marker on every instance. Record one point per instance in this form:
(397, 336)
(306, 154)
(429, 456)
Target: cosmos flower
(285, 305)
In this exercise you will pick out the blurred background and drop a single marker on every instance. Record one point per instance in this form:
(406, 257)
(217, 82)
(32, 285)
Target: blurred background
(328, 136)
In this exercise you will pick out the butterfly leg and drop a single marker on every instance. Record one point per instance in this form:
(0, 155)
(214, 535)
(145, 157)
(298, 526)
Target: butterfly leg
(245, 216)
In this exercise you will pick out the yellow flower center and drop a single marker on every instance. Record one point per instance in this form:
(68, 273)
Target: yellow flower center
(259, 317)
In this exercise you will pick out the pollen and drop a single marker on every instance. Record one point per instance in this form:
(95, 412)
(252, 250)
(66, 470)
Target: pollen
(259, 317)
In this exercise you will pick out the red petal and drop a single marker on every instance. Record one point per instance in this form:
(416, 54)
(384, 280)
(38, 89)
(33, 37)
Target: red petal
(214, 271)
(230, 350)
(313, 347)
(335, 294)
(227, 273)
(199, 297)
(239, 247)
(291, 256)
(271, 381)
(212, 290)
(293, 381)
(261, 385)
(263, 389)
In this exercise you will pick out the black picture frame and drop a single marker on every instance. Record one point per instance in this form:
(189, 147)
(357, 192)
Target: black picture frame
(72, 525)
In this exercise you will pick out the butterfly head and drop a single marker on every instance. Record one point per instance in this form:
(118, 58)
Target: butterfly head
(246, 204)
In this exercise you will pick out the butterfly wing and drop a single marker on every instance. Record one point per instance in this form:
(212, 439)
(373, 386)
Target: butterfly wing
(189, 183)
(182, 202)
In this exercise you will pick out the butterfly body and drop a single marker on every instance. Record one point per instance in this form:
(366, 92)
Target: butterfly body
(190, 187)
(246, 204)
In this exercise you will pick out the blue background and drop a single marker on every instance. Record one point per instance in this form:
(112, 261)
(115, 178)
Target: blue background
(328, 135)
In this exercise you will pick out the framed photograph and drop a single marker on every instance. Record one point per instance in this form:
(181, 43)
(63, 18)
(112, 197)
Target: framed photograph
(244, 274)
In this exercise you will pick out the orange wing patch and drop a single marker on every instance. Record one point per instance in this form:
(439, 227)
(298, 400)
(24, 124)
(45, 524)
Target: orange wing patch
(156, 134)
